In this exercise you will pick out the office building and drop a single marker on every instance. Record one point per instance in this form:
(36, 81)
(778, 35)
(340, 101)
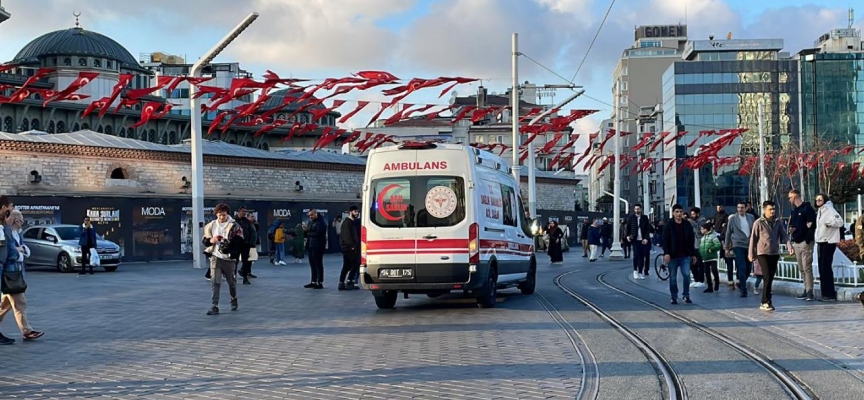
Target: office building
(638, 75)
(719, 85)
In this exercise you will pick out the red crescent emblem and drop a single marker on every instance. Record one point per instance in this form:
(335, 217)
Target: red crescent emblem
(382, 196)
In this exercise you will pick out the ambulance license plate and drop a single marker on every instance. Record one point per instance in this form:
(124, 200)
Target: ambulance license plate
(395, 273)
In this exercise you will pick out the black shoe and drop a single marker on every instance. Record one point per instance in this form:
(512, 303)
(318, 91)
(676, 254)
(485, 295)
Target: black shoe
(674, 301)
(246, 281)
(354, 286)
(342, 286)
(234, 305)
(802, 296)
(584, 256)
(823, 298)
(717, 287)
(687, 300)
(310, 285)
(213, 310)
(743, 294)
(318, 286)
(709, 290)
(252, 276)
(5, 340)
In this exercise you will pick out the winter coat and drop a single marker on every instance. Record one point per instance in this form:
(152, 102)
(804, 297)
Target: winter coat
(828, 224)
(709, 245)
(736, 236)
(594, 236)
(767, 236)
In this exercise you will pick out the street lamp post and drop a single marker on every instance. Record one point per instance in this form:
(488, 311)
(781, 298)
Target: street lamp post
(617, 252)
(763, 180)
(196, 145)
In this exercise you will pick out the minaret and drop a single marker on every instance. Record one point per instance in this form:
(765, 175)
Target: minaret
(4, 15)
(851, 17)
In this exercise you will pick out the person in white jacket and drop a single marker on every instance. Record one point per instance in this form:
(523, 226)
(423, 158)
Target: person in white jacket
(828, 223)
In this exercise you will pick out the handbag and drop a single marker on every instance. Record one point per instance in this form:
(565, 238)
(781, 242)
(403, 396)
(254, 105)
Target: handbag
(12, 281)
(253, 254)
(757, 269)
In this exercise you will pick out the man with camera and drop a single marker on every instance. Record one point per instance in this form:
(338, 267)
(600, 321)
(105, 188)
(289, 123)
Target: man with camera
(223, 238)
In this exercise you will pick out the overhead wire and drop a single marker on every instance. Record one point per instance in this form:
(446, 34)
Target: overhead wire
(599, 28)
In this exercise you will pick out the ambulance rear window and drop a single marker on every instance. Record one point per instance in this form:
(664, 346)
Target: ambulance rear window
(418, 201)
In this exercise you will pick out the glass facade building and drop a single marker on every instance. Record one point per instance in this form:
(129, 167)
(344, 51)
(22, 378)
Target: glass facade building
(721, 89)
(832, 98)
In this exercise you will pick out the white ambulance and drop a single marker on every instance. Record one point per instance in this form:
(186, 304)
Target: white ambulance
(439, 218)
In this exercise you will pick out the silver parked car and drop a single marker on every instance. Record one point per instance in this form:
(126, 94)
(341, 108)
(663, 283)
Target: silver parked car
(57, 246)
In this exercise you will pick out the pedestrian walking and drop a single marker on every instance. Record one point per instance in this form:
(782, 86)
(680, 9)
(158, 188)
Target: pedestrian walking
(317, 243)
(298, 242)
(224, 240)
(87, 241)
(638, 230)
(556, 236)
(15, 262)
(738, 231)
(678, 252)
(250, 236)
(828, 224)
(802, 236)
(709, 246)
(349, 241)
(279, 242)
(696, 221)
(768, 233)
(594, 239)
(583, 236)
(626, 245)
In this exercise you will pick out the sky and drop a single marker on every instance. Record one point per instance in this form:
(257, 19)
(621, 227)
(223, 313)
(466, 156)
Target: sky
(317, 39)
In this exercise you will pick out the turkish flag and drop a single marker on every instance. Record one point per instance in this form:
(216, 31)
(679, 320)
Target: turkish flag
(122, 81)
(147, 112)
(84, 78)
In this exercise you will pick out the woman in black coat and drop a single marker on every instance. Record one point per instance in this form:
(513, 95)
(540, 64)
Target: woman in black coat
(556, 236)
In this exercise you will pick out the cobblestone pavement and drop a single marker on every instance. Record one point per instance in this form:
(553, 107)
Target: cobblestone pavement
(833, 329)
(142, 332)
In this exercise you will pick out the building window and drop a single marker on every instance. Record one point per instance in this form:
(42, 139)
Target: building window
(122, 132)
(61, 127)
(650, 43)
(34, 124)
(172, 137)
(50, 127)
(265, 147)
(7, 125)
(25, 125)
(626, 185)
(109, 64)
(151, 136)
(97, 63)
(67, 62)
(82, 62)
(85, 126)
(109, 130)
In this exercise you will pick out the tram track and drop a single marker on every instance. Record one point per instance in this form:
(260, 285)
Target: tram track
(589, 388)
(670, 381)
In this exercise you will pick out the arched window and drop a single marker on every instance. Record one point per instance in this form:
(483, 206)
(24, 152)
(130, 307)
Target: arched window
(61, 127)
(8, 125)
(172, 137)
(25, 125)
(249, 144)
(119, 173)
(110, 64)
(265, 146)
(142, 135)
(232, 141)
(82, 62)
(97, 63)
(76, 127)
(67, 62)
(123, 132)
(34, 124)
(51, 127)
(85, 126)
(109, 130)
(151, 136)
(100, 129)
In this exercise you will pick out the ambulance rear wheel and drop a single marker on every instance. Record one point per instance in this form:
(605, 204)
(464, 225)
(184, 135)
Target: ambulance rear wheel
(530, 283)
(386, 300)
(489, 295)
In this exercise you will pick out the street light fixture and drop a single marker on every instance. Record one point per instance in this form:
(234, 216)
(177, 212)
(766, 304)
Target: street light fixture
(197, 149)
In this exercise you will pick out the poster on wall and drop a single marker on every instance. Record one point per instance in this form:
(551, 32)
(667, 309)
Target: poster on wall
(151, 232)
(186, 244)
(39, 215)
(106, 220)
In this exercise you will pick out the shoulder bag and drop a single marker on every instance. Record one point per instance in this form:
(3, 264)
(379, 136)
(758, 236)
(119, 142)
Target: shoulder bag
(12, 280)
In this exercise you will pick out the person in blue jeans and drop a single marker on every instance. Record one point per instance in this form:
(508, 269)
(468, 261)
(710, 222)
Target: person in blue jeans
(738, 231)
(678, 252)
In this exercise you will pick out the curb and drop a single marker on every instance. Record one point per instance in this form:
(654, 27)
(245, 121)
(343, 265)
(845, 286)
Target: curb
(795, 288)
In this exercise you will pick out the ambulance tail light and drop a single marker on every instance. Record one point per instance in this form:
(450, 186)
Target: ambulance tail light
(362, 245)
(474, 243)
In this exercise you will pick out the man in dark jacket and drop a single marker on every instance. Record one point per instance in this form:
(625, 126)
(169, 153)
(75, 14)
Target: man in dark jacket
(350, 244)
(250, 238)
(606, 235)
(316, 244)
(583, 235)
(639, 236)
(86, 242)
(678, 252)
(802, 229)
(721, 218)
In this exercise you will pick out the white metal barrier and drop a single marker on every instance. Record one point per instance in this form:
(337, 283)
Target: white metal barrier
(844, 275)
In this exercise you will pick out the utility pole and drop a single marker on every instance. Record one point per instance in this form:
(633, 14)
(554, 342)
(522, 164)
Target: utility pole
(514, 110)
(763, 180)
(617, 252)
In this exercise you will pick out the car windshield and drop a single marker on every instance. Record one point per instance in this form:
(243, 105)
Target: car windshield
(71, 232)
